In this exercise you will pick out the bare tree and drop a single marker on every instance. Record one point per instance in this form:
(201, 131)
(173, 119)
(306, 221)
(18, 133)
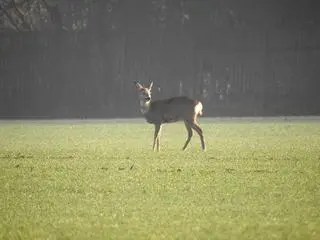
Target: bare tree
(29, 15)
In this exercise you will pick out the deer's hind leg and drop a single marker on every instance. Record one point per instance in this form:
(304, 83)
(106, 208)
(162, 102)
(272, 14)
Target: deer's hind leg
(190, 133)
(198, 129)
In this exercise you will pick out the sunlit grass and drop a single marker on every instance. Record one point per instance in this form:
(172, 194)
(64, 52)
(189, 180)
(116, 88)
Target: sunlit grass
(100, 180)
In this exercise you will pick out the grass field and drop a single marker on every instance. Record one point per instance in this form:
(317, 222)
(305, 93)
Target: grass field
(100, 180)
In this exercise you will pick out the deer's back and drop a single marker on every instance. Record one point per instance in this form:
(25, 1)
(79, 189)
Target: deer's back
(171, 110)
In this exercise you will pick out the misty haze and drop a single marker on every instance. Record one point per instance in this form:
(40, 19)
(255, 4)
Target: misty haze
(78, 59)
(159, 119)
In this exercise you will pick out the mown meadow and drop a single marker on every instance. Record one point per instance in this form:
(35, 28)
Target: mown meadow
(101, 180)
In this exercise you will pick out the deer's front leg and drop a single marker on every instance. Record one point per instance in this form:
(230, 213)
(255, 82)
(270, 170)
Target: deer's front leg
(158, 143)
(157, 128)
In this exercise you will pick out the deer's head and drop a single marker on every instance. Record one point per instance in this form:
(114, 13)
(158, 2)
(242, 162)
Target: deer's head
(144, 92)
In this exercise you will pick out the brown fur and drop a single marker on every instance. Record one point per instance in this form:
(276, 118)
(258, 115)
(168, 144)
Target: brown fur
(168, 111)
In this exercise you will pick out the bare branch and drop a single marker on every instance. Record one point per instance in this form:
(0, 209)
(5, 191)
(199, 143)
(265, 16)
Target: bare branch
(21, 16)
(8, 16)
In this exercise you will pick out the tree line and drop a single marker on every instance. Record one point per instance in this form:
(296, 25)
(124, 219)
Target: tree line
(79, 57)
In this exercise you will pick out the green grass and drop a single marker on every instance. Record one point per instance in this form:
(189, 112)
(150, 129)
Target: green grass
(100, 180)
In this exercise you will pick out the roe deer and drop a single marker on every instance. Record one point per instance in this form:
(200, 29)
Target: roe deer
(168, 111)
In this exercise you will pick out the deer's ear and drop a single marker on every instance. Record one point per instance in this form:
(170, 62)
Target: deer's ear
(150, 86)
(138, 85)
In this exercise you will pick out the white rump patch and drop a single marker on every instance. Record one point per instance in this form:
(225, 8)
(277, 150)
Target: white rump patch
(198, 108)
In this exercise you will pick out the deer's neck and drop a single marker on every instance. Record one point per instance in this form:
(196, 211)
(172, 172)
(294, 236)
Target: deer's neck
(144, 106)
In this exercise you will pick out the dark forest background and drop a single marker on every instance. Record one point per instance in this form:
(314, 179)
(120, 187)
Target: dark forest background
(78, 58)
